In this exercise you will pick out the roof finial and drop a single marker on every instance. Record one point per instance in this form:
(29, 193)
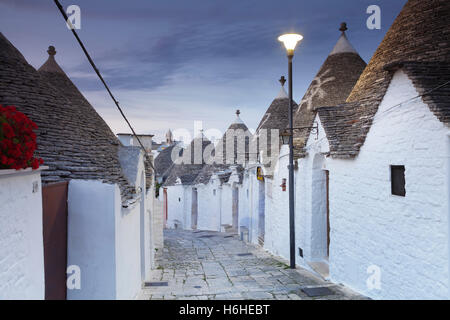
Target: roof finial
(51, 51)
(238, 112)
(282, 81)
(343, 27)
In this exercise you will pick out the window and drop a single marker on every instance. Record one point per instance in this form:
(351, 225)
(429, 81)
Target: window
(214, 192)
(398, 180)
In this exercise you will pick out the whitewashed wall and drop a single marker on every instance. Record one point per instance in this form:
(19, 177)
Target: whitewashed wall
(405, 237)
(277, 209)
(244, 203)
(91, 237)
(215, 203)
(308, 236)
(226, 205)
(179, 199)
(209, 205)
(158, 222)
(105, 241)
(187, 208)
(129, 275)
(21, 249)
(253, 204)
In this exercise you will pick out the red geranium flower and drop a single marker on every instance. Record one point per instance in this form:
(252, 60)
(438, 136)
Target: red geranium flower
(17, 140)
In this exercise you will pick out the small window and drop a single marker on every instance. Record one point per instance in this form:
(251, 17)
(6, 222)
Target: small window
(179, 199)
(214, 192)
(398, 180)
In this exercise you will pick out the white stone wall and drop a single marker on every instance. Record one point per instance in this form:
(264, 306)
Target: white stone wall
(158, 222)
(277, 209)
(405, 238)
(253, 204)
(244, 201)
(91, 237)
(21, 250)
(309, 236)
(209, 206)
(179, 199)
(226, 205)
(112, 245)
(131, 271)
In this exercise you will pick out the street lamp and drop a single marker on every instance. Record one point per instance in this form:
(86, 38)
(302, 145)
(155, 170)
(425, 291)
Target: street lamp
(290, 41)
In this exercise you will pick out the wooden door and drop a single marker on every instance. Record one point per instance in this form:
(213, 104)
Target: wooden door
(54, 205)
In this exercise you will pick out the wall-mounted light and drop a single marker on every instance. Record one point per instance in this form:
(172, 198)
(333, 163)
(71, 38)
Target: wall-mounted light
(285, 136)
(283, 185)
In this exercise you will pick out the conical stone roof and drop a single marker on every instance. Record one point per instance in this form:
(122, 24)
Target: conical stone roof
(188, 172)
(74, 141)
(277, 115)
(275, 118)
(236, 130)
(239, 132)
(419, 42)
(163, 162)
(331, 86)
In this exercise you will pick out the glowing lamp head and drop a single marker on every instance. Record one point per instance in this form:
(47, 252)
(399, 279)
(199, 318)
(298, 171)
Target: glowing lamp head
(290, 41)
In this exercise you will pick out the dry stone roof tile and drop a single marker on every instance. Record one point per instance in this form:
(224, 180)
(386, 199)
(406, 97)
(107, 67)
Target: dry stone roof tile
(74, 141)
(419, 39)
(331, 86)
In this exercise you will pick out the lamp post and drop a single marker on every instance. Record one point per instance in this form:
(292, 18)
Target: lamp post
(290, 42)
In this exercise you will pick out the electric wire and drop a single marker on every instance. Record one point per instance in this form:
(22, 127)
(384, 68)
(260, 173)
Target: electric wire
(66, 18)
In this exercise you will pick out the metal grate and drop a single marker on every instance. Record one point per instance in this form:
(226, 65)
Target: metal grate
(244, 254)
(318, 291)
(156, 284)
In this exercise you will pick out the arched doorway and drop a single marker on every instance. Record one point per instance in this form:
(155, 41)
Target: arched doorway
(320, 216)
(235, 209)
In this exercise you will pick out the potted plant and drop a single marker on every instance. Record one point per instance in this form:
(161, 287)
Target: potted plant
(17, 140)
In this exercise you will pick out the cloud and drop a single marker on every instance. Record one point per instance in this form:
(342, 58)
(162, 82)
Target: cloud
(172, 62)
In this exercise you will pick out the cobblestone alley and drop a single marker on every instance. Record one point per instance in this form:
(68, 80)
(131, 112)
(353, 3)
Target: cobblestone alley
(211, 265)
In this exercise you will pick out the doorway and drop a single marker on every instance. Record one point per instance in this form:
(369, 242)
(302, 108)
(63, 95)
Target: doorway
(320, 211)
(261, 211)
(194, 209)
(165, 208)
(235, 209)
(54, 214)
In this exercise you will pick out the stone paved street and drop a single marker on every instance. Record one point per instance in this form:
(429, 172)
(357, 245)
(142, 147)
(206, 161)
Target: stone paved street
(203, 265)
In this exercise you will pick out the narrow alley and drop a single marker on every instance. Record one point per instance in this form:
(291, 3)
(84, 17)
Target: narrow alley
(211, 265)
